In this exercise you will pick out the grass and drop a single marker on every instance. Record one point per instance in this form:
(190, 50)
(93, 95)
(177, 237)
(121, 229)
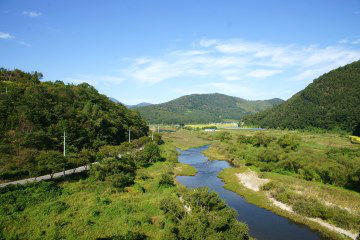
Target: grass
(184, 170)
(185, 139)
(214, 152)
(90, 209)
(218, 125)
(95, 210)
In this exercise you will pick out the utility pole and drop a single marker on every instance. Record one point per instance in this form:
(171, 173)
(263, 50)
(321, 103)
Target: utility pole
(152, 135)
(129, 135)
(64, 144)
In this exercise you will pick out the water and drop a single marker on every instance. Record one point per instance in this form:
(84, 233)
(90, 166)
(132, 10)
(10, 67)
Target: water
(263, 224)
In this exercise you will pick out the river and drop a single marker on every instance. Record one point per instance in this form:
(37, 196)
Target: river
(263, 224)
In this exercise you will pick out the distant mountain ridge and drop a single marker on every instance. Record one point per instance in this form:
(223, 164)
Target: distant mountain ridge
(332, 101)
(203, 108)
(142, 104)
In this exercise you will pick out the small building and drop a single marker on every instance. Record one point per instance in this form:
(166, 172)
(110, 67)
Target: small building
(210, 130)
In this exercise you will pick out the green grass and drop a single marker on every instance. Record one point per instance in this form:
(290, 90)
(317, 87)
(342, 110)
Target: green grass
(184, 170)
(185, 139)
(95, 209)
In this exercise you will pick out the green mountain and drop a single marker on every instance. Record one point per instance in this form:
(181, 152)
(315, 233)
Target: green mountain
(203, 108)
(332, 101)
(35, 114)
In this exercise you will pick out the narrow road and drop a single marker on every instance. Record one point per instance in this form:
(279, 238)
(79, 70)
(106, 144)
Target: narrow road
(48, 176)
(58, 174)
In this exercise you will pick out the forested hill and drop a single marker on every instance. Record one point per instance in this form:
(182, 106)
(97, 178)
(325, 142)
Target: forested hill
(332, 101)
(34, 115)
(203, 108)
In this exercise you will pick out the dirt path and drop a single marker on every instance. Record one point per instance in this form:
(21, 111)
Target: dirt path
(251, 181)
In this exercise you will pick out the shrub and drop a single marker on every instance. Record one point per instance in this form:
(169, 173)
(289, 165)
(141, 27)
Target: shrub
(289, 142)
(150, 154)
(268, 186)
(166, 180)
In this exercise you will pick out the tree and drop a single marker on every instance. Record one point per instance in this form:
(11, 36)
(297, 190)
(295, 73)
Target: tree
(50, 162)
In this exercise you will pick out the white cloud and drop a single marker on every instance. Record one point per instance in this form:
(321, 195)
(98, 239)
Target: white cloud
(357, 41)
(207, 42)
(238, 60)
(4, 35)
(94, 79)
(343, 41)
(24, 43)
(31, 13)
(261, 73)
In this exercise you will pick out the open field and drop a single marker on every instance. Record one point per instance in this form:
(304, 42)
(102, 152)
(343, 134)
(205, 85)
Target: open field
(217, 125)
(185, 139)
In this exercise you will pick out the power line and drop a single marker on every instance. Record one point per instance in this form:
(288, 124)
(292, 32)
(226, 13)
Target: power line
(129, 135)
(64, 144)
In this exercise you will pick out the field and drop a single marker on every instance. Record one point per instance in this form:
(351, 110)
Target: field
(217, 125)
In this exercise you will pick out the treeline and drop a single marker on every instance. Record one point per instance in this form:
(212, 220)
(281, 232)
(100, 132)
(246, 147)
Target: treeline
(283, 154)
(203, 108)
(331, 102)
(34, 116)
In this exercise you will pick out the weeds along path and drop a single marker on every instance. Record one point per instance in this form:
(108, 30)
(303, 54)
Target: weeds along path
(58, 174)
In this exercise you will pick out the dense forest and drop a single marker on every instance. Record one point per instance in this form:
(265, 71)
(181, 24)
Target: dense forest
(203, 108)
(332, 101)
(35, 114)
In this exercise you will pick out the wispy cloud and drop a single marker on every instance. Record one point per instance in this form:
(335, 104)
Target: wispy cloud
(233, 60)
(4, 35)
(261, 73)
(357, 41)
(31, 13)
(94, 79)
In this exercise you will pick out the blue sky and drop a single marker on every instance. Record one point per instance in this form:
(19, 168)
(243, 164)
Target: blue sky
(155, 51)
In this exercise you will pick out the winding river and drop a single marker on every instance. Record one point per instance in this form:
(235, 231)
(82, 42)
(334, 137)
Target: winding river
(263, 224)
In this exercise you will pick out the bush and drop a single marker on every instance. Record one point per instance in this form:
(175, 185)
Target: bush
(120, 172)
(128, 236)
(268, 186)
(166, 180)
(289, 142)
(208, 217)
(150, 154)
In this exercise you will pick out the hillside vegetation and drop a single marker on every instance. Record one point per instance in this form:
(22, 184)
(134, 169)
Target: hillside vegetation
(332, 101)
(35, 114)
(203, 108)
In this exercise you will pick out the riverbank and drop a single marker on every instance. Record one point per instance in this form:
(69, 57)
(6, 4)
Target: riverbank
(247, 184)
(332, 199)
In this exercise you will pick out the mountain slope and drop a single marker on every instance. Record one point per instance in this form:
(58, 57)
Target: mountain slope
(331, 101)
(35, 114)
(142, 104)
(203, 108)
